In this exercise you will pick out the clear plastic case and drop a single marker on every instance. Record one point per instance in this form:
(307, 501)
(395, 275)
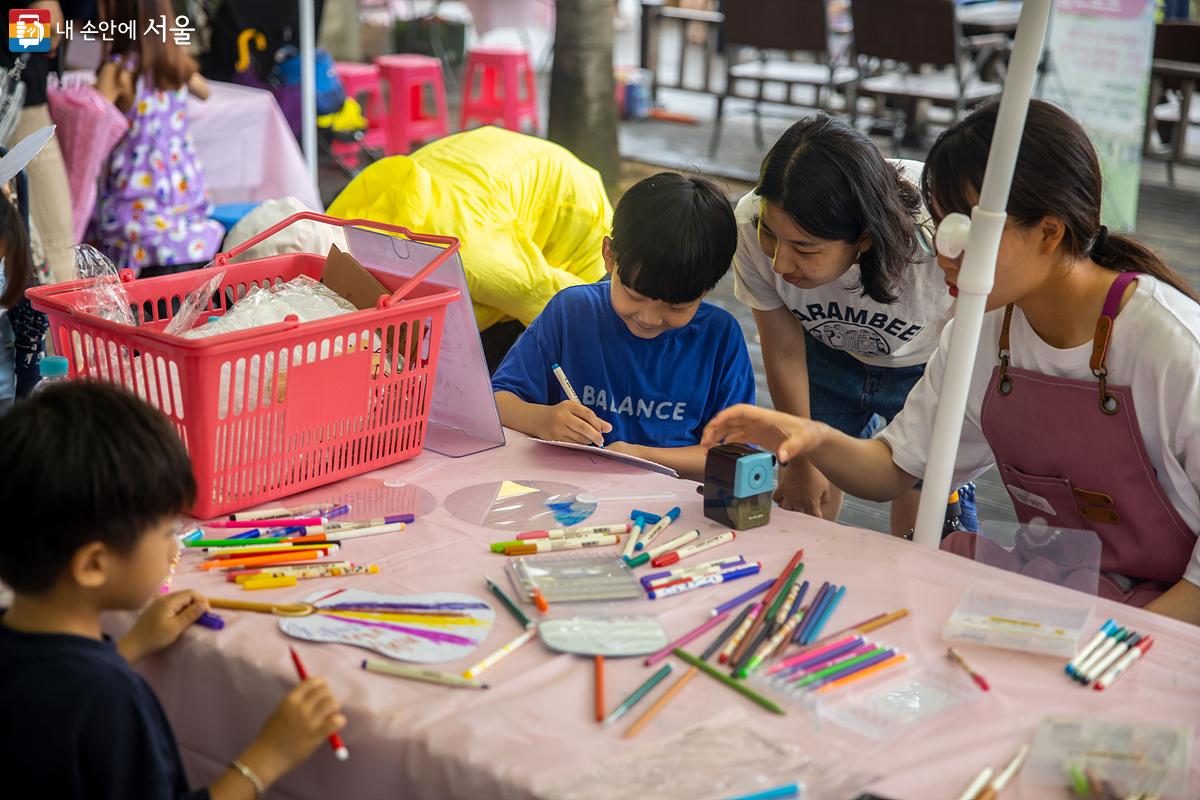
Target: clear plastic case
(1014, 623)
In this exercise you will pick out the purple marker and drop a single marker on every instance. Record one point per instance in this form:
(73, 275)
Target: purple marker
(337, 511)
(859, 667)
(658, 576)
(704, 580)
(743, 597)
(813, 610)
(210, 620)
(806, 664)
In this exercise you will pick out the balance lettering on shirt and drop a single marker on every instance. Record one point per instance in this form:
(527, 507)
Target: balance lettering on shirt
(650, 409)
(892, 326)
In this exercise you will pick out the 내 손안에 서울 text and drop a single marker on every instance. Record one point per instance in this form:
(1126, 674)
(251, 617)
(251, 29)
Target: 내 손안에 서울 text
(155, 27)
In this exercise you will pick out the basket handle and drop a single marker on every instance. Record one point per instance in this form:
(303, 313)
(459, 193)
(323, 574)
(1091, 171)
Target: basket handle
(451, 246)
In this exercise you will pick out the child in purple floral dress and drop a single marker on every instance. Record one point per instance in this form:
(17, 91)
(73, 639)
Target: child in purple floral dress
(152, 212)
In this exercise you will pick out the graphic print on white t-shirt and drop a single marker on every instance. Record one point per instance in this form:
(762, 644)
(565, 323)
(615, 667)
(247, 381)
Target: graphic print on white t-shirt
(859, 330)
(838, 314)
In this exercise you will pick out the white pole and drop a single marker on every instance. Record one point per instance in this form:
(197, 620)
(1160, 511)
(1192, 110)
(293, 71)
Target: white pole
(979, 269)
(308, 86)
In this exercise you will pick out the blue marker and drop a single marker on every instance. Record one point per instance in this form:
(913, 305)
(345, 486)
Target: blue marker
(253, 533)
(790, 790)
(830, 605)
(658, 528)
(192, 536)
(799, 599)
(1105, 631)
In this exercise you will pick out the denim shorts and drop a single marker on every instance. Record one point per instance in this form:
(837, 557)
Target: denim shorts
(857, 399)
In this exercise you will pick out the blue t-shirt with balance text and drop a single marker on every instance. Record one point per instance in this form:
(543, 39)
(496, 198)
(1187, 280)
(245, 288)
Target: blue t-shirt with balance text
(658, 392)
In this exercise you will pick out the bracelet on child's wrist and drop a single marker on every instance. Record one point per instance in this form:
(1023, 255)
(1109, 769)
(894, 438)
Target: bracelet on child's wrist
(250, 775)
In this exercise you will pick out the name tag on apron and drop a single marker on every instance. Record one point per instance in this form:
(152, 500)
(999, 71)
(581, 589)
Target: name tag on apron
(1032, 500)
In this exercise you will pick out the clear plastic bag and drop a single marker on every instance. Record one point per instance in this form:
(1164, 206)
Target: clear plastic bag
(302, 296)
(106, 295)
(196, 304)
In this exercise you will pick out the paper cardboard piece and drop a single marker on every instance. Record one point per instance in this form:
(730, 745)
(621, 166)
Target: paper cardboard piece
(344, 275)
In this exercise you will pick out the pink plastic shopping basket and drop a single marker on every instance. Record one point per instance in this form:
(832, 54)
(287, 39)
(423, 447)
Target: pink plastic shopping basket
(274, 410)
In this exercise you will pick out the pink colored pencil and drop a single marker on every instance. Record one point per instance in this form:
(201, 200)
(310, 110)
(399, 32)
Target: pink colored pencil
(277, 523)
(695, 633)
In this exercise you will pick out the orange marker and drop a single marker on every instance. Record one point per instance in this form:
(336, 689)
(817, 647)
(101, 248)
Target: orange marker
(539, 600)
(899, 658)
(599, 688)
(256, 561)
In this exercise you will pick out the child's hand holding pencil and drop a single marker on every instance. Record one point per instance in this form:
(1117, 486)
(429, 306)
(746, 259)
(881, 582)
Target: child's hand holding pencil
(571, 421)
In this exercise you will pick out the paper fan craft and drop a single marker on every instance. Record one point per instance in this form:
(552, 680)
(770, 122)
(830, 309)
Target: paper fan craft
(424, 628)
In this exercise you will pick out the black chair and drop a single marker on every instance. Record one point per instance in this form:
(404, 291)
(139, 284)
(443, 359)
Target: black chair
(778, 26)
(896, 40)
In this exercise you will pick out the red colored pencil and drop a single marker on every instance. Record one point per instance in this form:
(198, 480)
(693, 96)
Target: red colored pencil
(770, 598)
(335, 741)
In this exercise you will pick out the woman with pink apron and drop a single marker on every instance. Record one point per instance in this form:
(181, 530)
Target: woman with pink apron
(1086, 388)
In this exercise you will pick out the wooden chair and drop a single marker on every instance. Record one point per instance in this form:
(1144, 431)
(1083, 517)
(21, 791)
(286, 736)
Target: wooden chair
(771, 27)
(900, 38)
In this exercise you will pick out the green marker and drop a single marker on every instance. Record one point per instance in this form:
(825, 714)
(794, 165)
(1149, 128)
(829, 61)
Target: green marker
(508, 603)
(816, 676)
(500, 547)
(740, 688)
(238, 542)
(638, 560)
(638, 694)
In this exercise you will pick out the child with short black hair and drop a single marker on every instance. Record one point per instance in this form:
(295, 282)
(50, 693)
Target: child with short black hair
(94, 481)
(650, 361)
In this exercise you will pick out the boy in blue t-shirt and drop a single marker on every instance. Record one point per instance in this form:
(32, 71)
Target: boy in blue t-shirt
(94, 479)
(650, 362)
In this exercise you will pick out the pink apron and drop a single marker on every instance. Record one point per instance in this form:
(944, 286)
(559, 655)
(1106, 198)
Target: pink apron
(1070, 452)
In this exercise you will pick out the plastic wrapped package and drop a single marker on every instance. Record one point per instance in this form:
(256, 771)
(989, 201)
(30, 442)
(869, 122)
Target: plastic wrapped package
(196, 304)
(106, 295)
(302, 296)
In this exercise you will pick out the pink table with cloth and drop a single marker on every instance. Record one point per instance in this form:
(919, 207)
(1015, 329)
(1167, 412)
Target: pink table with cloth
(248, 152)
(245, 145)
(534, 728)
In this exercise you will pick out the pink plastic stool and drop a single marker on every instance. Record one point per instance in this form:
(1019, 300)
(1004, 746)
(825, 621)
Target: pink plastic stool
(407, 78)
(505, 69)
(362, 82)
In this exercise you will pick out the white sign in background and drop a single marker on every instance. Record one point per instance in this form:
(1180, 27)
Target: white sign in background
(1100, 53)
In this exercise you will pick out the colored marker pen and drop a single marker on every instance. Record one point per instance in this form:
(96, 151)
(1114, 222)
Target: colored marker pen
(1105, 629)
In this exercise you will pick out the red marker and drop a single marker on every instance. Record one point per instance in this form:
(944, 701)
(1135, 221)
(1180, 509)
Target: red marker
(335, 741)
(962, 662)
(1135, 652)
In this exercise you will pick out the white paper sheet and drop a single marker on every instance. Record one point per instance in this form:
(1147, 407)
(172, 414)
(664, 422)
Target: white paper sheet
(633, 461)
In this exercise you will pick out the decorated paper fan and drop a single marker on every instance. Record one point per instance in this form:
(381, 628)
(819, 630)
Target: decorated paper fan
(424, 628)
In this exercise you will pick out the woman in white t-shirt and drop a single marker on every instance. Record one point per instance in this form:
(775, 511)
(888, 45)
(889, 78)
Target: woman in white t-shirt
(836, 260)
(1086, 392)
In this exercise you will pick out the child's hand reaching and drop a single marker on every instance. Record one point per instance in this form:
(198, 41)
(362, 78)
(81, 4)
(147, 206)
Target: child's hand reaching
(299, 725)
(787, 435)
(571, 421)
(161, 623)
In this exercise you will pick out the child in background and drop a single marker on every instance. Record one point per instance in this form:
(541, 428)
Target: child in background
(650, 361)
(1086, 392)
(14, 254)
(78, 722)
(152, 211)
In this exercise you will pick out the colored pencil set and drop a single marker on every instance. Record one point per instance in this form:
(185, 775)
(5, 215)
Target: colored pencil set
(1111, 652)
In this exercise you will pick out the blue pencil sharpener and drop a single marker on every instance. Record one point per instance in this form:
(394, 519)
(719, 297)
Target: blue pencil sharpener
(739, 481)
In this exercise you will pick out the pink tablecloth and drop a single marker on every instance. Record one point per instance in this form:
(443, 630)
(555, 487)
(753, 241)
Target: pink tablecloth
(534, 728)
(248, 152)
